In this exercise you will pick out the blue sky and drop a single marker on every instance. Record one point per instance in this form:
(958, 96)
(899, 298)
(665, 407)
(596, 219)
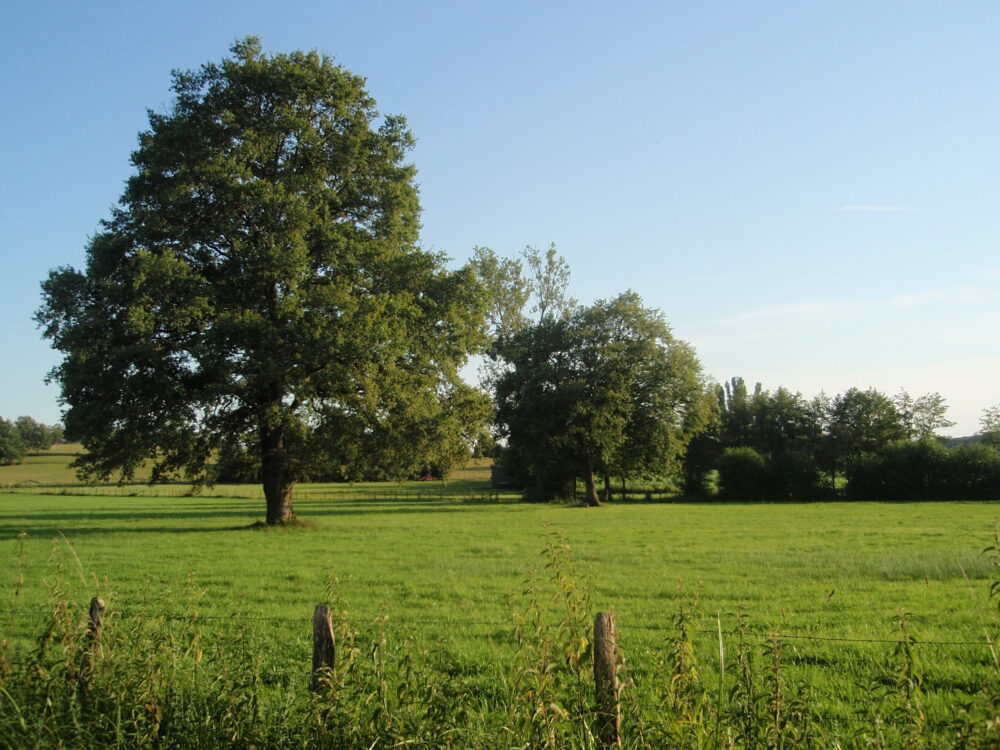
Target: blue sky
(809, 191)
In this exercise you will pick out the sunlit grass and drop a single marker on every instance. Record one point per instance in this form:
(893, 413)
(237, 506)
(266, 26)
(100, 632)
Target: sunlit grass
(450, 570)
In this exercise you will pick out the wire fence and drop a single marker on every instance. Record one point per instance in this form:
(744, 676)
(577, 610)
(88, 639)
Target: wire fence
(453, 625)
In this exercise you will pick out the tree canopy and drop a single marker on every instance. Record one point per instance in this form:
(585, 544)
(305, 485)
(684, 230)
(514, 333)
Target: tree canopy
(605, 390)
(260, 281)
(12, 447)
(35, 435)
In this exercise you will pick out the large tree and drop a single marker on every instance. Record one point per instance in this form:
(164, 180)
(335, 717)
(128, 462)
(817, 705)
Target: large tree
(260, 280)
(606, 390)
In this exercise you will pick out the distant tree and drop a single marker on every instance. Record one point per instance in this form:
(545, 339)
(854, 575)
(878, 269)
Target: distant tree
(989, 426)
(863, 422)
(12, 448)
(990, 420)
(506, 288)
(735, 413)
(606, 390)
(549, 282)
(35, 435)
(783, 421)
(702, 456)
(533, 397)
(922, 417)
(261, 278)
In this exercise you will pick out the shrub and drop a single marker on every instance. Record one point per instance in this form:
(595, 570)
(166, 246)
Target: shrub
(925, 470)
(744, 474)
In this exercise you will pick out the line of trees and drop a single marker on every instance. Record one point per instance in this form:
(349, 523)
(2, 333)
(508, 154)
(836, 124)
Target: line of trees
(24, 435)
(585, 393)
(860, 444)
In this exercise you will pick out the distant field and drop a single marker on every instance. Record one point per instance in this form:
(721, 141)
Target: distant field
(448, 566)
(49, 472)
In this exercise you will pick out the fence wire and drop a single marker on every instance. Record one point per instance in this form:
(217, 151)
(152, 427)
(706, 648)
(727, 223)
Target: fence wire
(456, 623)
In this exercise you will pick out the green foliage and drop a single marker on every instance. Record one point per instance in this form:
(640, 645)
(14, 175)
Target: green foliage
(863, 422)
(922, 417)
(605, 390)
(12, 447)
(37, 436)
(506, 289)
(261, 279)
(778, 446)
(548, 283)
(989, 424)
(925, 470)
(769, 444)
(743, 474)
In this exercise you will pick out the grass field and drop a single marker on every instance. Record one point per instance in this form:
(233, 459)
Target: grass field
(449, 570)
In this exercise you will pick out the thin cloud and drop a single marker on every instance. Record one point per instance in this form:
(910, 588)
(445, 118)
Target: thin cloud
(804, 313)
(876, 209)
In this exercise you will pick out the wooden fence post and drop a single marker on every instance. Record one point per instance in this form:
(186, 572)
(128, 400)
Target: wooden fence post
(92, 647)
(609, 716)
(324, 649)
(94, 627)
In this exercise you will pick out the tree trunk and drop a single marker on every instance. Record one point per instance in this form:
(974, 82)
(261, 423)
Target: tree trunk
(607, 488)
(539, 483)
(278, 482)
(591, 495)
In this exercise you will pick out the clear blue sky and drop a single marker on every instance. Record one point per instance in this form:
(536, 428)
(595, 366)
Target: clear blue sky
(809, 191)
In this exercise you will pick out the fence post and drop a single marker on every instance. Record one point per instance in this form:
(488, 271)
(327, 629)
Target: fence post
(94, 627)
(92, 647)
(609, 716)
(324, 650)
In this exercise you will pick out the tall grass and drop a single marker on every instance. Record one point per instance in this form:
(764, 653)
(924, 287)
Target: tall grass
(185, 682)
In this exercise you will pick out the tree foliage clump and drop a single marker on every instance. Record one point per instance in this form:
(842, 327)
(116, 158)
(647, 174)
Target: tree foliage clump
(764, 445)
(779, 446)
(989, 424)
(37, 436)
(12, 447)
(605, 390)
(925, 470)
(260, 282)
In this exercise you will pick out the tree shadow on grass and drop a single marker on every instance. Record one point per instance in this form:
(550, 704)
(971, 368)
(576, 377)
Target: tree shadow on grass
(12, 527)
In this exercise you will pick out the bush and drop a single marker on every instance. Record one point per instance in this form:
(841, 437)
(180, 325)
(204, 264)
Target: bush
(744, 474)
(974, 472)
(925, 470)
(795, 476)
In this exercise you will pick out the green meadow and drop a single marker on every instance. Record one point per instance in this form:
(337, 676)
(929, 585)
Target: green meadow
(451, 569)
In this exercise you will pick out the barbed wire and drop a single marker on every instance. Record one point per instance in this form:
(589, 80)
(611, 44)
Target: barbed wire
(390, 621)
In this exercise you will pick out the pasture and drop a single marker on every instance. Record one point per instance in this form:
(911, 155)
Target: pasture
(461, 577)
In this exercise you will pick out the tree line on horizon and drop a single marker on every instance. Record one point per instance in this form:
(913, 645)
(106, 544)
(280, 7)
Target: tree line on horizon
(860, 444)
(24, 434)
(258, 307)
(606, 392)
